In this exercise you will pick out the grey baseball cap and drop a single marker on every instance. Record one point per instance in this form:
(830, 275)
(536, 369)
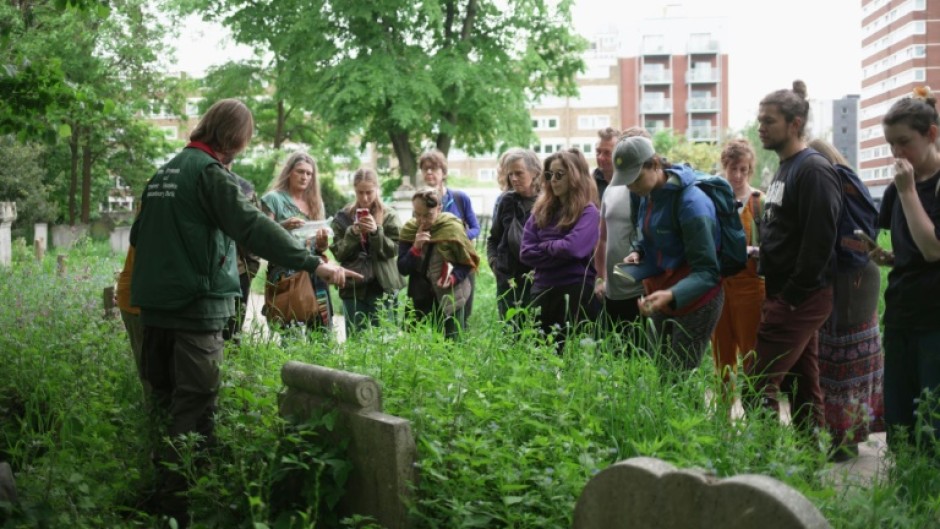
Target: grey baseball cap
(629, 156)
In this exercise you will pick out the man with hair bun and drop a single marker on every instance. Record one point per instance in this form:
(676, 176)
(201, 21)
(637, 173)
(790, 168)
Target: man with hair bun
(797, 236)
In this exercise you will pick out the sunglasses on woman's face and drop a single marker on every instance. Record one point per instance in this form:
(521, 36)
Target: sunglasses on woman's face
(553, 175)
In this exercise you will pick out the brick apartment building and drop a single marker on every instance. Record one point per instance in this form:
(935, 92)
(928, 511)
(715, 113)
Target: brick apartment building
(900, 51)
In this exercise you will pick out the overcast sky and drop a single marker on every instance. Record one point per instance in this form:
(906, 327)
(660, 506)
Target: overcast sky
(769, 43)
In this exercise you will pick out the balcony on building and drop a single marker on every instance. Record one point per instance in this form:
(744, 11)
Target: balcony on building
(655, 76)
(702, 104)
(702, 133)
(701, 75)
(656, 106)
(702, 44)
(654, 45)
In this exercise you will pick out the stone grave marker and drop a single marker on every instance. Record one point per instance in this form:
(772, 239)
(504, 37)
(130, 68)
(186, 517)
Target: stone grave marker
(64, 236)
(648, 493)
(41, 235)
(381, 447)
(7, 483)
(120, 239)
(7, 216)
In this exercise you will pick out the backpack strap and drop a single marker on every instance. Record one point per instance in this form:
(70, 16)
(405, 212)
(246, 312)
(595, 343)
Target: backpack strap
(757, 212)
(460, 210)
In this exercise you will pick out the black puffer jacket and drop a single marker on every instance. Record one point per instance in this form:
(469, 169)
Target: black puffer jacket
(502, 245)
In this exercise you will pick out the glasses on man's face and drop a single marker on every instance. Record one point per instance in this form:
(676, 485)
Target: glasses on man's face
(553, 175)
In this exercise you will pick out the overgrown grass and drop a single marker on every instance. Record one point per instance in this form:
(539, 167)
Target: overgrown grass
(508, 432)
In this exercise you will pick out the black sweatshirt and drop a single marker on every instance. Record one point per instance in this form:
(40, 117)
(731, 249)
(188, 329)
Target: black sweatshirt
(798, 231)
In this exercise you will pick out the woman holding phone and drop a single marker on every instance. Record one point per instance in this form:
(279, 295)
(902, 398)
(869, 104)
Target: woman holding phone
(366, 240)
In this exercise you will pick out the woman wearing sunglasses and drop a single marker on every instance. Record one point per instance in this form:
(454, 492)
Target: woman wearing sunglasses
(558, 243)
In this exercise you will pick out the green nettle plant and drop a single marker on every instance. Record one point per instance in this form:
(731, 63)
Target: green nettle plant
(508, 432)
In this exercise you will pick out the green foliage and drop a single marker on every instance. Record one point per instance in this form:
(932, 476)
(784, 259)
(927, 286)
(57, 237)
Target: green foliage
(407, 74)
(767, 160)
(23, 180)
(333, 198)
(76, 79)
(508, 432)
(704, 156)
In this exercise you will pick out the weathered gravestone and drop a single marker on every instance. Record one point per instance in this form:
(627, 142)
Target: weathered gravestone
(64, 236)
(41, 236)
(7, 216)
(120, 239)
(648, 493)
(381, 447)
(7, 483)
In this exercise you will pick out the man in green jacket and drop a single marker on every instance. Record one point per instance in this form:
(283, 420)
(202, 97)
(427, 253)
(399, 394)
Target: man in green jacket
(185, 276)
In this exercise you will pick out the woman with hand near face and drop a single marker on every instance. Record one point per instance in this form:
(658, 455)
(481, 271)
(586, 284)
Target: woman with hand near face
(366, 240)
(293, 199)
(558, 243)
(522, 170)
(433, 167)
(911, 210)
(438, 258)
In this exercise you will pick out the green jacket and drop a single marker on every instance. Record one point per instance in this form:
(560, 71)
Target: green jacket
(383, 251)
(192, 215)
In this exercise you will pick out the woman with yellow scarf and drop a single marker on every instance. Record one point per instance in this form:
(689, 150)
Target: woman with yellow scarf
(438, 258)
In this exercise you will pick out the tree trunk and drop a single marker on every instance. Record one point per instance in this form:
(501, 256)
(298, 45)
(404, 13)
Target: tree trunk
(73, 174)
(444, 140)
(279, 127)
(407, 165)
(86, 183)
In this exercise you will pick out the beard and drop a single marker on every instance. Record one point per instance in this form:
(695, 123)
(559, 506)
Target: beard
(774, 145)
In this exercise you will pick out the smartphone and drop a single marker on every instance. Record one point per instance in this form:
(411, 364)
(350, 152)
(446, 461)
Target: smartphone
(362, 213)
(868, 240)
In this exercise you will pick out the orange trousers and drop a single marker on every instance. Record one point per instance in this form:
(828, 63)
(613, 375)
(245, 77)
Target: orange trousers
(736, 332)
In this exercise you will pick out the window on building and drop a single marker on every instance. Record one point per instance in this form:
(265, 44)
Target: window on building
(593, 122)
(545, 123)
(486, 175)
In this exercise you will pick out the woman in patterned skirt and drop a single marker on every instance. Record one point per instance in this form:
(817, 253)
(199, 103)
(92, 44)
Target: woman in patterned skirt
(851, 362)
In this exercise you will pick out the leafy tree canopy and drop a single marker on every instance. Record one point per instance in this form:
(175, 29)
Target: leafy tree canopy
(408, 75)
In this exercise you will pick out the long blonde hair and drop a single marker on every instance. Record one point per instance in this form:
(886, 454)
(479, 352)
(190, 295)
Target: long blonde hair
(376, 208)
(581, 191)
(312, 194)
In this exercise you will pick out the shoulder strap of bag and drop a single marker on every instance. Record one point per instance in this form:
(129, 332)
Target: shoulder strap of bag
(756, 214)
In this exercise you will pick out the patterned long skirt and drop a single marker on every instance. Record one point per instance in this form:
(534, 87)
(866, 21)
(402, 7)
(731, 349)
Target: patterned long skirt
(851, 360)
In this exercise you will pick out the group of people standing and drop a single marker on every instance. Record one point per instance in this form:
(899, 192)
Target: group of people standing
(795, 319)
(634, 239)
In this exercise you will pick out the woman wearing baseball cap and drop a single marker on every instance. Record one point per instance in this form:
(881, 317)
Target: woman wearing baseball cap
(675, 255)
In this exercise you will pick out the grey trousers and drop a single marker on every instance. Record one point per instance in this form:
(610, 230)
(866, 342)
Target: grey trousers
(182, 367)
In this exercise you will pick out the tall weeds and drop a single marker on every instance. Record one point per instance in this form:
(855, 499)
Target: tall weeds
(508, 432)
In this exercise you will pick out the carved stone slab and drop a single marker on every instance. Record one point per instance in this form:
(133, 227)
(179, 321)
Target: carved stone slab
(644, 492)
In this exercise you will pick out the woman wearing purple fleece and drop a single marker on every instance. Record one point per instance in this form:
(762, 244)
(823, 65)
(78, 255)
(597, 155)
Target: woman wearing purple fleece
(558, 243)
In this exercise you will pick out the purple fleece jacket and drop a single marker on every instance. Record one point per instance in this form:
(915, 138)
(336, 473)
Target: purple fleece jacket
(561, 257)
